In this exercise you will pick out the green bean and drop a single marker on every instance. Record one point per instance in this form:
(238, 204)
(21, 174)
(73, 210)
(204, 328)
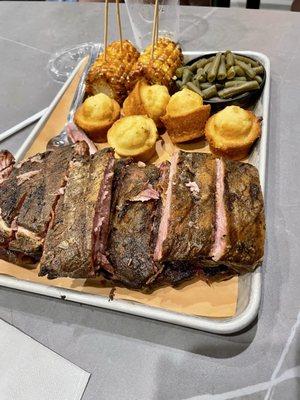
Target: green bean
(202, 62)
(179, 72)
(213, 70)
(205, 85)
(199, 64)
(233, 83)
(194, 88)
(200, 71)
(247, 60)
(229, 59)
(239, 71)
(201, 75)
(232, 91)
(248, 70)
(209, 92)
(233, 71)
(196, 82)
(258, 79)
(186, 76)
(258, 70)
(179, 83)
(222, 69)
(200, 78)
(240, 78)
(206, 67)
(193, 67)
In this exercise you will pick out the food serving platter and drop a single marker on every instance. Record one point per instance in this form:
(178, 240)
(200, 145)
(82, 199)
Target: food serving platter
(249, 285)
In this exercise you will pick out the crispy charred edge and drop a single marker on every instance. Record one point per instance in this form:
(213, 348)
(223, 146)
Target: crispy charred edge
(102, 215)
(7, 162)
(177, 273)
(108, 272)
(18, 258)
(106, 269)
(81, 152)
(238, 268)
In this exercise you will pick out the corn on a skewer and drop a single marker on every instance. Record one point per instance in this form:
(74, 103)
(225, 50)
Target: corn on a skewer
(110, 76)
(160, 68)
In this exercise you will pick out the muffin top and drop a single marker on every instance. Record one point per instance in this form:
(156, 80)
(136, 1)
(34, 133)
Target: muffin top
(155, 99)
(132, 135)
(184, 102)
(234, 122)
(99, 108)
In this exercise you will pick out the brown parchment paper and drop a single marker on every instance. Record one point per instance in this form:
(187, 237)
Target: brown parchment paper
(192, 298)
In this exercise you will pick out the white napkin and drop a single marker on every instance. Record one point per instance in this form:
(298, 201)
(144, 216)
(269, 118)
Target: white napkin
(30, 371)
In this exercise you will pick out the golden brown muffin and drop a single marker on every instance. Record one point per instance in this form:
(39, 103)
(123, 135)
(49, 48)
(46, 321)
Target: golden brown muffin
(231, 132)
(134, 136)
(110, 76)
(185, 116)
(147, 100)
(167, 57)
(96, 115)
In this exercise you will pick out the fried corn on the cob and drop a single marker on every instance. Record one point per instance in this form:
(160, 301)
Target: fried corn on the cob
(167, 57)
(110, 76)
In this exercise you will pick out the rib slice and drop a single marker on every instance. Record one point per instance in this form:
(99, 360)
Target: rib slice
(212, 219)
(75, 243)
(241, 219)
(133, 228)
(27, 197)
(186, 230)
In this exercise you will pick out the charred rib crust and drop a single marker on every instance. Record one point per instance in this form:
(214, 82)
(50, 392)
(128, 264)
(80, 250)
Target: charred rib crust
(191, 224)
(69, 243)
(245, 215)
(131, 238)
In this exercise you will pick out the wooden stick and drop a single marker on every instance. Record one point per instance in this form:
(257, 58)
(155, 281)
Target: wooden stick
(157, 25)
(105, 27)
(154, 27)
(119, 23)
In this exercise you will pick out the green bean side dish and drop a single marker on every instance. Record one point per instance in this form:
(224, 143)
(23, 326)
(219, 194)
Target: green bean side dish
(223, 76)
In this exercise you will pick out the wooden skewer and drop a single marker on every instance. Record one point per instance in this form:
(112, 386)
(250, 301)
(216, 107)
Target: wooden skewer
(105, 27)
(157, 25)
(119, 23)
(154, 28)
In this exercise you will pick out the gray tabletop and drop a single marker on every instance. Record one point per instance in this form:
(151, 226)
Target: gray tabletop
(134, 358)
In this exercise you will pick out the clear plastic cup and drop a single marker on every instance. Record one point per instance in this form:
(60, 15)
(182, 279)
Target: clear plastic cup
(141, 13)
(63, 62)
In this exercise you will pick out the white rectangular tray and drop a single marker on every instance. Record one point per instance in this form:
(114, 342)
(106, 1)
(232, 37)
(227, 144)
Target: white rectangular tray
(250, 285)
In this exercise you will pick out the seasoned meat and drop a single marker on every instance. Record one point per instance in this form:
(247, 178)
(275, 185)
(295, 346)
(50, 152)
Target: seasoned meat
(177, 272)
(132, 225)
(244, 210)
(186, 230)
(6, 164)
(27, 199)
(76, 134)
(75, 243)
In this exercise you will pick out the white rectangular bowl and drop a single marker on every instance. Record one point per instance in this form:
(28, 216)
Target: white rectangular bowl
(250, 285)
